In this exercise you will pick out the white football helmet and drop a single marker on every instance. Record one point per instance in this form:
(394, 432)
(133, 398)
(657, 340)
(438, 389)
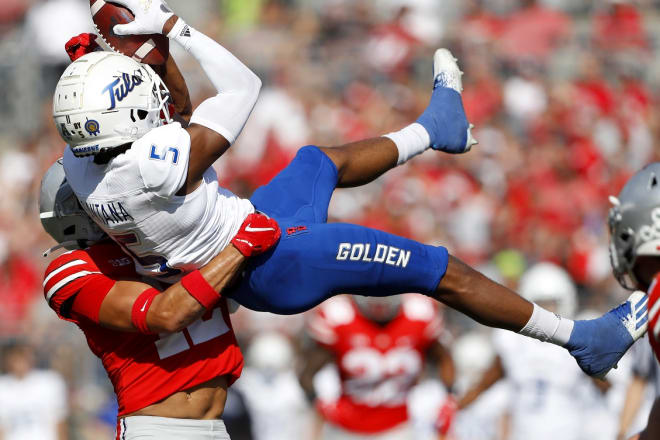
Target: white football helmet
(545, 282)
(104, 100)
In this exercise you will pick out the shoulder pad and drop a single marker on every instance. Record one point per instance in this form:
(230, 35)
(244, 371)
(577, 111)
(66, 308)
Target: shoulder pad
(162, 156)
(332, 313)
(419, 308)
(65, 269)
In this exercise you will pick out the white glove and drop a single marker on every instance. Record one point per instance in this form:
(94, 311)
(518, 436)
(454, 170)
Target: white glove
(150, 17)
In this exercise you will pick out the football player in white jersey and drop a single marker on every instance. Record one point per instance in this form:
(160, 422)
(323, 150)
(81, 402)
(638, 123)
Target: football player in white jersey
(149, 184)
(543, 404)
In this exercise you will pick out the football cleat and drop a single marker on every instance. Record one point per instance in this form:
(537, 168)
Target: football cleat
(598, 344)
(444, 119)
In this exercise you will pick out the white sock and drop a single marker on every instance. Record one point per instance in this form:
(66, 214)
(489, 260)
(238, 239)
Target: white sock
(410, 141)
(548, 327)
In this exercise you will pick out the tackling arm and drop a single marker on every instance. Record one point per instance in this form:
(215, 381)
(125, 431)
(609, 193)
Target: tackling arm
(173, 309)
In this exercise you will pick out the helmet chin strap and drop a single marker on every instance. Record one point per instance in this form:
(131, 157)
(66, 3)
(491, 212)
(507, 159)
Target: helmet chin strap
(80, 244)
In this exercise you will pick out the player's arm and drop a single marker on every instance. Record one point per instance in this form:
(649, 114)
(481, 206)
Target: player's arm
(489, 378)
(132, 306)
(176, 84)
(316, 357)
(633, 401)
(171, 310)
(444, 364)
(218, 121)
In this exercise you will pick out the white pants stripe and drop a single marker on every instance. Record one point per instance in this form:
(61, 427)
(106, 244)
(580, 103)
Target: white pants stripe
(164, 428)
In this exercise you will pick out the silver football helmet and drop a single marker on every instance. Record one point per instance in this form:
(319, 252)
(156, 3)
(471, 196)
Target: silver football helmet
(104, 100)
(634, 223)
(61, 215)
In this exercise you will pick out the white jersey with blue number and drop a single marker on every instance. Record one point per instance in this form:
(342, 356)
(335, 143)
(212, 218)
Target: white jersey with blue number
(133, 198)
(545, 383)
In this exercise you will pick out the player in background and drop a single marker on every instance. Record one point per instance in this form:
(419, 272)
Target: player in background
(543, 379)
(33, 403)
(173, 359)
(271, 391)
(380, 347)
(634, 222)
(133, 185)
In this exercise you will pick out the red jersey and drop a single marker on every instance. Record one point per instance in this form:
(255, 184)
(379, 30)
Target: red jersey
(143, 369)
(378, 365)
(654, 315)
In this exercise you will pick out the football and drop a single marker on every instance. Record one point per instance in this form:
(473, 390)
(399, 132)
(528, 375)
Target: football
(149, 49)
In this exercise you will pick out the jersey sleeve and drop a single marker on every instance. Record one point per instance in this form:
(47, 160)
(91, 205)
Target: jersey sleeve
(163, 156)
(325, 321)
(654, 316)
(74, 287)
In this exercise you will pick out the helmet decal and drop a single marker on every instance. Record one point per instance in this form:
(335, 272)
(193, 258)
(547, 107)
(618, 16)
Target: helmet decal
(118, 91)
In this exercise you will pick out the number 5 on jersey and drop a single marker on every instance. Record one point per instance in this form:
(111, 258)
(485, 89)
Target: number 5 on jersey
(158, 153)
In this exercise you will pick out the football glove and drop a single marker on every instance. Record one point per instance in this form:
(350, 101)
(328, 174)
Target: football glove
(81, 45)
(257, 234)
(150, 17)
(598, 344)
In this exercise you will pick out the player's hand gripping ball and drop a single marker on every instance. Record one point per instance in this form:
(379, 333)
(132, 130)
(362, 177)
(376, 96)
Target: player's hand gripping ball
(149, 48)
(257, 234)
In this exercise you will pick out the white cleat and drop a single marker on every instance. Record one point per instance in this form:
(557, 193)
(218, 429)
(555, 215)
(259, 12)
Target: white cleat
(445, 70)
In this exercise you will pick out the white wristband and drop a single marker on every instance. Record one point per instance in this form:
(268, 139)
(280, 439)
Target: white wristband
(181, 33)
(548, 327)
(410, 141)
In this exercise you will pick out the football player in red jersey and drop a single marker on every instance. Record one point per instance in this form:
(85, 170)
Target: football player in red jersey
(379, 346)
(634, 222)
(170, 355)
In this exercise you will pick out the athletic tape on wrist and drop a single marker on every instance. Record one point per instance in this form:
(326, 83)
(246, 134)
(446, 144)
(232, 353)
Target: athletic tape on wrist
(200, 289)
(141, 308)
(547, 327)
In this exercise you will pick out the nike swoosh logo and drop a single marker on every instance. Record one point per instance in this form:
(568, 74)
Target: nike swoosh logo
(144, 306)
(250, 229)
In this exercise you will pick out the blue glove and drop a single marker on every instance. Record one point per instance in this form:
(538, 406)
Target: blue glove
(598, 344)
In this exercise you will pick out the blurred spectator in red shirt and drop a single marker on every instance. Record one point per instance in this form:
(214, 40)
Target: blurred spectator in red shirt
(19, 287)
(533, 32)
(619, 26)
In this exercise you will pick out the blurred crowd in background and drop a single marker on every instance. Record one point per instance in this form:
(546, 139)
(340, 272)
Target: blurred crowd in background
(562, 94)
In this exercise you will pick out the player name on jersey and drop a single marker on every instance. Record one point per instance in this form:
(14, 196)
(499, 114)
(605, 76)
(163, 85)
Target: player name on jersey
(107, 213)
(383, 254)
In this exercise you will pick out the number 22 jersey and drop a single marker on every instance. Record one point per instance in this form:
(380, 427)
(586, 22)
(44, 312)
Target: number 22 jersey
(143, 369)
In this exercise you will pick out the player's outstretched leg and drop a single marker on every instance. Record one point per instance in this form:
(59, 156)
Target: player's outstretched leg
(598, 344)
(443, 126)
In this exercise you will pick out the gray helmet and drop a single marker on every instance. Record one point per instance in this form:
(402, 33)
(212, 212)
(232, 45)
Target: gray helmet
(60, 213)
(634, 223)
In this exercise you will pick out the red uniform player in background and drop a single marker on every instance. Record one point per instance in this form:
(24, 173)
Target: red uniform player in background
(379, 346)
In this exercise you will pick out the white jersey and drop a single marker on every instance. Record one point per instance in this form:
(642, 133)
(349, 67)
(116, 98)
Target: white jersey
(133, 199)
(32, 406)
(543, 379)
